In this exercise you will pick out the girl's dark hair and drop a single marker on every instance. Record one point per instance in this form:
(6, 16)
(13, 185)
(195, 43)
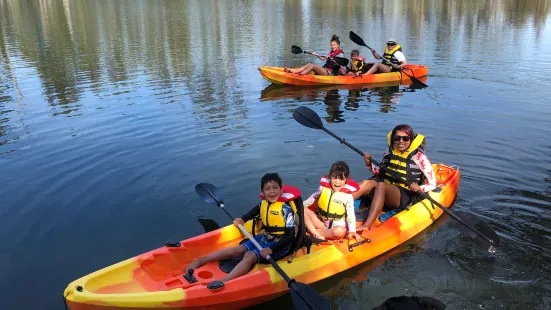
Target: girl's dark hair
(402, 127)
(269, 177)
(339, 169)
(336, 39)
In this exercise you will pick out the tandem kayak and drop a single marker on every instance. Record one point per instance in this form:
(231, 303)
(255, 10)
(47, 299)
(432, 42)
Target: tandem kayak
(277, 75)
(155, 280)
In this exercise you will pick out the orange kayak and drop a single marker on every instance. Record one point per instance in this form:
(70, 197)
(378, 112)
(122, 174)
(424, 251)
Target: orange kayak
(277, 75)
(154, 280)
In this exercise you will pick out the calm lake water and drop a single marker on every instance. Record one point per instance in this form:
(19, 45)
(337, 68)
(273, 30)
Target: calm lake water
(111, 112)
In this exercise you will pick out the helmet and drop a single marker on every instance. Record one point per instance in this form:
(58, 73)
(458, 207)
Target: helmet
(391, 40)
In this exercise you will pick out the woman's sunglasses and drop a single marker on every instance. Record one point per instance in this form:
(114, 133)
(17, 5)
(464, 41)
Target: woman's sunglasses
(403, 138)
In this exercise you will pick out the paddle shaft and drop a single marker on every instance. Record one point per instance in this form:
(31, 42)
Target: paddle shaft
(425, 195)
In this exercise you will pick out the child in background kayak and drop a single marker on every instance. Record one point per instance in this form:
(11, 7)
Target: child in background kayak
(335, 206)
(277, 238)
(406, 158)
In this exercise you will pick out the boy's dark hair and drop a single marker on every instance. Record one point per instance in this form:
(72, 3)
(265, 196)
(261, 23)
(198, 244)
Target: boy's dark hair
(339, 169)
(269, 177)
(354, 52)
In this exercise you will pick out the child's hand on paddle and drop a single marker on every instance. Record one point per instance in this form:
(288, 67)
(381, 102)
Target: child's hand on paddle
(238, 221)
(265, 252)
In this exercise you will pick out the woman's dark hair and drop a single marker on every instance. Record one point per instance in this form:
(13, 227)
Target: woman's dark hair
(339, 169)
(402, 127)
(336, 39)
(269, 177)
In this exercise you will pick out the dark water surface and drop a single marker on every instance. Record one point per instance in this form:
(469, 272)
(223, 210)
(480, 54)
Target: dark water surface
(111, 112)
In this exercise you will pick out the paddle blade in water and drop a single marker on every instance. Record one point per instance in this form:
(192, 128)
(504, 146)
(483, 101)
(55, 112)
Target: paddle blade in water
(416, 83)
(208, 193)
(356, 39)
(306, 117)
(296, 50)
(481, 226)
(208, 224)
(305, 297)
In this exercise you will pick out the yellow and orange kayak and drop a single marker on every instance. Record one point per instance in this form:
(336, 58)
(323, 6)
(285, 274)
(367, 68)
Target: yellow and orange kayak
(278, 75)
(154, 280)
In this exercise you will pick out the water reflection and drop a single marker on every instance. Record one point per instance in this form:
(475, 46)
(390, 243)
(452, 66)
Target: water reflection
(350, 96)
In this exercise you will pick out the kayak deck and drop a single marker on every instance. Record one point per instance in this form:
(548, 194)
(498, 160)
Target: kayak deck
(154, 280)
(278, 75)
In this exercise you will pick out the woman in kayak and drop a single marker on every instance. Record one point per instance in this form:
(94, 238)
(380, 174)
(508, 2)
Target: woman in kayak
(393, 53)
(335, 206)
(331, 67)
(277, 213)
(406, 158)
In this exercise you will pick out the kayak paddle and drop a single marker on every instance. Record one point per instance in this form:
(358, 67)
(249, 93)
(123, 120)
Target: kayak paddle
(303, 296)
(306, 117)
(358, 40)
(341, 61)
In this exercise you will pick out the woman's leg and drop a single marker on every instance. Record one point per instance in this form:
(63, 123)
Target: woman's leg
(319, 70)
(378, 67)
(303, 68)
(235, 251)
(385, 195)
(366, 188)
(249, 259)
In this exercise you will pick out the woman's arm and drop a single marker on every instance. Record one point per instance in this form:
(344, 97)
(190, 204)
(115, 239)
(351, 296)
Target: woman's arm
(319, 56)
(426, 167)
(377, 56)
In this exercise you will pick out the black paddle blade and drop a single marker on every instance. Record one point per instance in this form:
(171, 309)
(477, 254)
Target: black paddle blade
(306, 117)
(208, 193)
(305, 297)
(481, 226)
(356, 39)
(416, 83)
(296, 50)
(208, 224)
(341, 61)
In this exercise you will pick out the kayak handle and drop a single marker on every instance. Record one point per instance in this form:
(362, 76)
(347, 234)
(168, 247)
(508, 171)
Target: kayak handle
(351, 246)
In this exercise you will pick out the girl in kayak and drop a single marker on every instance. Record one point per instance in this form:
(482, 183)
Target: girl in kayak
(277, 212)
(331, 67)
(406, 158)
(335, 206)
(393, 53)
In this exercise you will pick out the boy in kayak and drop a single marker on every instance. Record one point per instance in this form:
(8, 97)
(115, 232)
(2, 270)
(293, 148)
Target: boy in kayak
(357, 64)
(406, 158)
(277, 213)
(334, 215)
